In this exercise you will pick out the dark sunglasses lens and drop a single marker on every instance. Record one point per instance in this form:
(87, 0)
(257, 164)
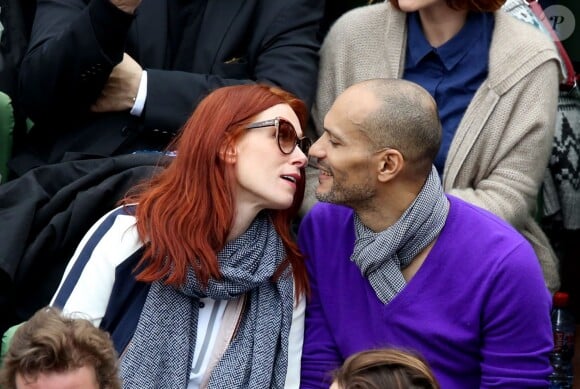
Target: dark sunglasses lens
(287, 137)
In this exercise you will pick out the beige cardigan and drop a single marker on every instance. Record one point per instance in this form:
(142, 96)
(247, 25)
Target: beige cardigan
(500, 151)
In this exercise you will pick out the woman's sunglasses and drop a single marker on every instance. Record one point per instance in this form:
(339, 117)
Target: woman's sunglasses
(285, 135)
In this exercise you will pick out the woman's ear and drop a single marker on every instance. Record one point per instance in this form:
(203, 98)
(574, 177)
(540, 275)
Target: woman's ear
(228, 153)
(391, 162)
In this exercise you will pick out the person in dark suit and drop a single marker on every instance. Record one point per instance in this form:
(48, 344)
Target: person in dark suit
(107, 77)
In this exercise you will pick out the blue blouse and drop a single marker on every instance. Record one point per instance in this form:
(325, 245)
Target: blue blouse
(452, 72)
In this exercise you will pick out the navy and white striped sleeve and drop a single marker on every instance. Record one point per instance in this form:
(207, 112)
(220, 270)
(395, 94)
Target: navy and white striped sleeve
(88, 280)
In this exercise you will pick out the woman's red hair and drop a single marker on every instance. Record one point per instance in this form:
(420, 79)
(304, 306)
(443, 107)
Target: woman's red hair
(185, 213)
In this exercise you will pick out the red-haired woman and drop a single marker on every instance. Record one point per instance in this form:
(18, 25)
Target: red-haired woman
(197, 276)
(495, 81)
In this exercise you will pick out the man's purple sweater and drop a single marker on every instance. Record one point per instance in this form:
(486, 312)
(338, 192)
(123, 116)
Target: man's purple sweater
(478, 309)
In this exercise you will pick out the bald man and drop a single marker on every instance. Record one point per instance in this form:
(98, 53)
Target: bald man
(394, 262)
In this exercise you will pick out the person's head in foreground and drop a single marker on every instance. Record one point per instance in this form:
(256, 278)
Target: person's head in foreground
(51, 351)
(384, 369)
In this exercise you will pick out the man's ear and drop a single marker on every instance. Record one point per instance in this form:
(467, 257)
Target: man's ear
(391, 163)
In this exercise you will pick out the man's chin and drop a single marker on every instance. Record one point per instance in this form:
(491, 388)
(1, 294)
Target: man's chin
(319, 196)
(325, 197)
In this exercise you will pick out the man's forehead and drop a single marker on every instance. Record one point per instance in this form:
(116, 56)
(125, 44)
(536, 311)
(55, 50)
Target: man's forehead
(348, 117)
(357, 104)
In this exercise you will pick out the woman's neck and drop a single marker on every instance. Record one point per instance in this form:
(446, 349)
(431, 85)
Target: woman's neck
(242, 221)
(441, 23)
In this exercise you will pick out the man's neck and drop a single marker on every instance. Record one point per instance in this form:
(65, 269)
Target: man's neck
(387, 206)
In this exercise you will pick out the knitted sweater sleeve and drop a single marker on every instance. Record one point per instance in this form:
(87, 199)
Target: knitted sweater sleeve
(328, 72)
(364, 43)
(511, 167)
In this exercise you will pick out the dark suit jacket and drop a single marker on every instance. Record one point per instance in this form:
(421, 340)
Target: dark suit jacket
(76, 43)
(45, 213)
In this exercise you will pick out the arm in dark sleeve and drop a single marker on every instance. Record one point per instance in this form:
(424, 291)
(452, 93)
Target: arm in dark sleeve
(287, 57)
(72, 50)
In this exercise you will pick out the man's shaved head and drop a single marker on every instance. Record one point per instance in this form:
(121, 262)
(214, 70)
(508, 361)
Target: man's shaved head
(398, 114)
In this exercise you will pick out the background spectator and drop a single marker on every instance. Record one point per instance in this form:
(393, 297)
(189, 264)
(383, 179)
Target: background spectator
(113, 76)
(384, 368)
(498, 123)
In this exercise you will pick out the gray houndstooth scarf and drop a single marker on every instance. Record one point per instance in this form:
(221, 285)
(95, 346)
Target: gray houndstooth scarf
(161, 351)
(381, 256)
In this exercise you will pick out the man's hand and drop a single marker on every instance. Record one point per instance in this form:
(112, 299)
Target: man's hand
(121, 88)
(128, 6)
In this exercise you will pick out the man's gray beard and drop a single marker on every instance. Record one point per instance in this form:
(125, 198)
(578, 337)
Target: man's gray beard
(351, 196)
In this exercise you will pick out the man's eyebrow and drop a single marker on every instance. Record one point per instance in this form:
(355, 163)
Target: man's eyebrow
(333, 134)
